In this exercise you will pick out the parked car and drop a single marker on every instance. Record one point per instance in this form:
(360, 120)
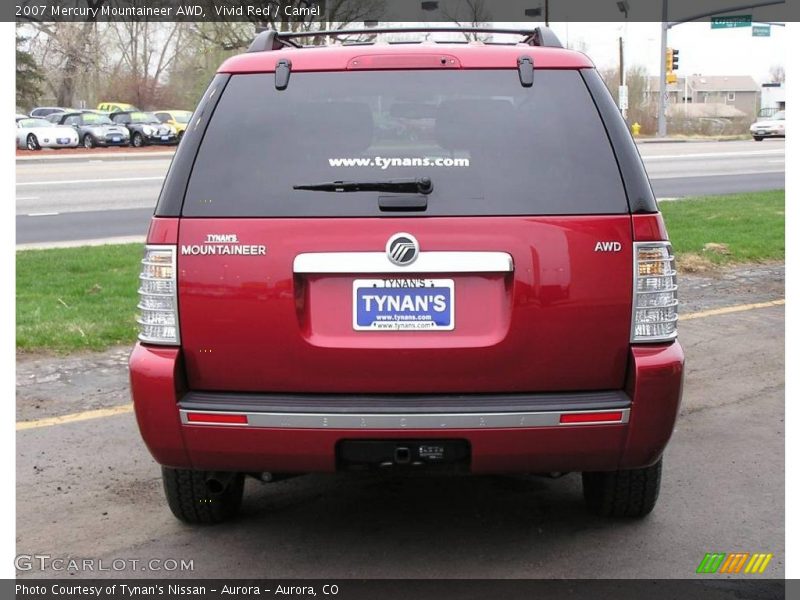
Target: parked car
(179, 119)
(490, 295)
(111, 107)
(43, 111)
(775, 126)
(145, 128)
(20, 116)
(94, 129)
(35, 134)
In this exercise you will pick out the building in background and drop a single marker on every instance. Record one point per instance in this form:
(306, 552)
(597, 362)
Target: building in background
(773, 98)
(711, 96)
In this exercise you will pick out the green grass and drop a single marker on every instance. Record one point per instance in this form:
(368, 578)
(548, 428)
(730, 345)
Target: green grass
(77, 298)
(85, 298)
(750, 228)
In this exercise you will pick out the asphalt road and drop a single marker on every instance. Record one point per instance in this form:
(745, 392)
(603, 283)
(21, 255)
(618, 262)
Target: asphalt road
(62, 200)
(89, 489)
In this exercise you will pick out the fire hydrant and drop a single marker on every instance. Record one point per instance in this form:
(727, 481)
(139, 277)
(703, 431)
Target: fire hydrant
(636, 128)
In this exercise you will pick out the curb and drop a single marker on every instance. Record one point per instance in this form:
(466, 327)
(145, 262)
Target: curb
(130, 239)
(97, 156)
(685, 140)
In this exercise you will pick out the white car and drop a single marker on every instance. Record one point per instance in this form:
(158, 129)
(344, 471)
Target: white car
(35, 134)
(775, 126)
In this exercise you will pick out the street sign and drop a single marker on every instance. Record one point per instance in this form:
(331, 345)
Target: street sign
(731, 21)
(761, 31)
(623, 97)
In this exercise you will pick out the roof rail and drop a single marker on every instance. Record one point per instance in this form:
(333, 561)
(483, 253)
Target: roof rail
(269, 39)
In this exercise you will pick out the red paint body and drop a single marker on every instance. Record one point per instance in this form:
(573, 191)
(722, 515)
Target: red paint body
(560, 322)
(338, 58)
(257, 327)
(654, 382)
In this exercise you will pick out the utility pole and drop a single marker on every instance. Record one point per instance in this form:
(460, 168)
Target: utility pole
(665, 27)
(662, 84)
(623, 89)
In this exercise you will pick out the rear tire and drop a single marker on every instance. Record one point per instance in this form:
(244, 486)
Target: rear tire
(88, 141)
(32, 143)
(191, 501)
(628, 493)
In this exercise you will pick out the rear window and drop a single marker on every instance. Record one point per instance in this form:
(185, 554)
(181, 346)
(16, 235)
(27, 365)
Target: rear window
(489, 145)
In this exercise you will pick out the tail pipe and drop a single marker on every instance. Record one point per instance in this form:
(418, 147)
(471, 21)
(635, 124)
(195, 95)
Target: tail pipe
(218, 481)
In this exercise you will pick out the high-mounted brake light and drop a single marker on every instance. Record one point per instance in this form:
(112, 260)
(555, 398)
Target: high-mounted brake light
(158, 296)
(655, 293)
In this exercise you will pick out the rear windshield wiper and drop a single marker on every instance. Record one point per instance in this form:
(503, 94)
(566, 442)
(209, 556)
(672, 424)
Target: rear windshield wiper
(420, 185)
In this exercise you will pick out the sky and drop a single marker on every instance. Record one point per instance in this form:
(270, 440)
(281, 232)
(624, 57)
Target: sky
(702, 50)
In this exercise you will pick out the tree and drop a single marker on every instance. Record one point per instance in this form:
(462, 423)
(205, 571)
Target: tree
(29, 76)
(476, 15)
(147, 51)
(67, 50)
(777, 74)
(338, 15)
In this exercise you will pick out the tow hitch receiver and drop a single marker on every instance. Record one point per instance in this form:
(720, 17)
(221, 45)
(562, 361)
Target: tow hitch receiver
(378, 454)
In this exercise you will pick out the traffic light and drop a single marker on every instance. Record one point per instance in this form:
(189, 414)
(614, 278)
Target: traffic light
(671, 60)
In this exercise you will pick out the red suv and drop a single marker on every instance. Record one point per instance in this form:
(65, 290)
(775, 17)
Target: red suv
(407, 256)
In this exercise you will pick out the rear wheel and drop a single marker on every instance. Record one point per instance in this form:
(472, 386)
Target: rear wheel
(628, 493)
(202, 497)
(32, 143)
(88, 141)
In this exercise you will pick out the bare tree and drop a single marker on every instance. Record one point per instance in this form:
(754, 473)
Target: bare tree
(146, 51)
(338, 15)
(470, 13)
(68, 48)
(777, 74)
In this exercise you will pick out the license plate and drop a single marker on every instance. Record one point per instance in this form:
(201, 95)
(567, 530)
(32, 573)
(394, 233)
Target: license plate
(116, 139)
(164, 138)
(63, 140)
(403, 304)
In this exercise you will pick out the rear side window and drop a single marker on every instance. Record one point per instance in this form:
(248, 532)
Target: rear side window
(489, 145)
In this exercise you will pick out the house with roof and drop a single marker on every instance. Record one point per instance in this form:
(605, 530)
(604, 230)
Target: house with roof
(726, 96)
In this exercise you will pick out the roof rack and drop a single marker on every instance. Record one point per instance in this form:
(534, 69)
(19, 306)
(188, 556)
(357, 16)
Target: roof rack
(269, 39)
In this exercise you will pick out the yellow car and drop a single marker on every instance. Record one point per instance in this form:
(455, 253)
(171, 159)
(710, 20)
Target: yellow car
(112, 107)
(179, 119)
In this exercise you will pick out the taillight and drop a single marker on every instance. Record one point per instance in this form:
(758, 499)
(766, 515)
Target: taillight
(655, 293)
(158, 296)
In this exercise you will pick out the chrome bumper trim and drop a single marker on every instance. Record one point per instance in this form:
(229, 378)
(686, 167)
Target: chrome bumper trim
(427, 262)
(406, 421)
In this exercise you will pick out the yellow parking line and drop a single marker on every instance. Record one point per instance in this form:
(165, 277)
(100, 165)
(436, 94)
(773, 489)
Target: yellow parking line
(726, 310)
(81, 416)
(126, 408)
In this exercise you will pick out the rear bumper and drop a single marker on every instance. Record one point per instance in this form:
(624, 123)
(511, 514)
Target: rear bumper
(534, 433)
(768, 133)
